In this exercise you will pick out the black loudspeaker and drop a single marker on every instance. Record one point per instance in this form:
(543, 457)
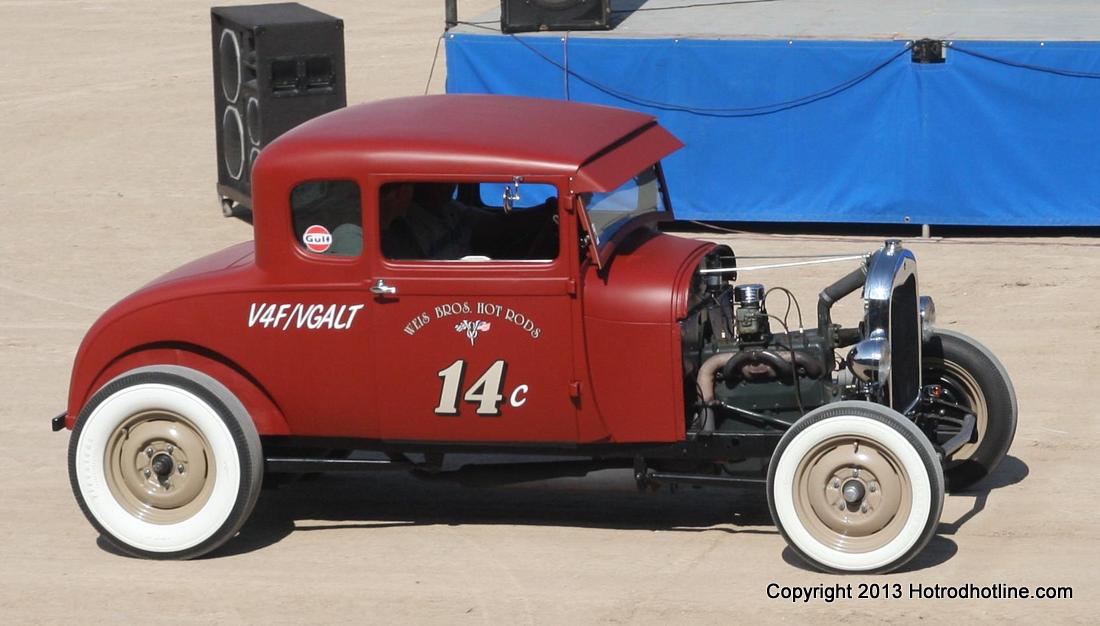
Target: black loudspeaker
(275, 66)
(518, 16)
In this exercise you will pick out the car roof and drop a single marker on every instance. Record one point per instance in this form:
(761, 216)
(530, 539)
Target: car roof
(460, 134)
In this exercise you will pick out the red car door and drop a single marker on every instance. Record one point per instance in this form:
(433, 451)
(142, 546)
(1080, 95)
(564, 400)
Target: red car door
(473, 350)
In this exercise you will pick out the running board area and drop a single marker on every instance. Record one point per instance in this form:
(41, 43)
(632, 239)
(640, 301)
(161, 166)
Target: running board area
(296, 465)
(471, 475)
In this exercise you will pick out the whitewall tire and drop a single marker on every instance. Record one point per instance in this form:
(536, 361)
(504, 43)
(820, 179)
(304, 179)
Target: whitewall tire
(165, 462)
(855, 487)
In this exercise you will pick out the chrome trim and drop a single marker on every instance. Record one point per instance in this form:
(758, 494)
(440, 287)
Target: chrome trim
(889, 268)
(869, 360)
(927, 318)
(380, 288)
(511, 194)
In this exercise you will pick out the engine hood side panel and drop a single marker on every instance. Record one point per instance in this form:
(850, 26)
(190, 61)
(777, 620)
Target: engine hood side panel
(631, 310)
(646, 280)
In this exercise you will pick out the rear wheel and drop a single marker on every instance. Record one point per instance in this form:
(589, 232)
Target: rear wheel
(974, 381)
(855, 487)
(165, 462)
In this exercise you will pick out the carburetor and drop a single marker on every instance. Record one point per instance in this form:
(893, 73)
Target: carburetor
(751, 318)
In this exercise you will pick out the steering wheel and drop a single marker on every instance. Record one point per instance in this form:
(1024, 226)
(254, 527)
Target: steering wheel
(547, 239)
(533, 233)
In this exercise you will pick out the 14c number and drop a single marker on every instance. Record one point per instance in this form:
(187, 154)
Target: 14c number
(486, 392)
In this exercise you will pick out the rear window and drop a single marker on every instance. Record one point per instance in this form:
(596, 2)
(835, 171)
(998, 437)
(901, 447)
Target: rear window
(328, 217)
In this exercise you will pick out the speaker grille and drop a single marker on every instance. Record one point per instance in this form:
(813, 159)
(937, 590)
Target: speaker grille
(229, 60)
(517, 16)
(275, 66)
(233, 142)
(252, 118)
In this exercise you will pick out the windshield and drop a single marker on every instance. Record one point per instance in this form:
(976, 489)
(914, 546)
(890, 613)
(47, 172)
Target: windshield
(609, 211)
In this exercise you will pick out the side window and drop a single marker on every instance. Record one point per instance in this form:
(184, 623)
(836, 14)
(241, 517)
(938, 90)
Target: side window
(328, 217)
(467, 222)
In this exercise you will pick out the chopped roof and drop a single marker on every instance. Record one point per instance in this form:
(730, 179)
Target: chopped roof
(461, 134)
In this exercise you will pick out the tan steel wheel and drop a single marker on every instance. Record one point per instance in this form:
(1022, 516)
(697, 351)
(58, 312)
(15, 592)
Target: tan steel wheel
(972, 381)
(854, 486)
(165, 462)
(852, 494)
(159, 467)
(960, 387)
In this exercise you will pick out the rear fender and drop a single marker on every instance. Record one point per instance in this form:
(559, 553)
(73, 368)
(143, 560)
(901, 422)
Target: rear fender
(266, 415)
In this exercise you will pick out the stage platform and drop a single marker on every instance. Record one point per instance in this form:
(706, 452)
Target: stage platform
(814, 111)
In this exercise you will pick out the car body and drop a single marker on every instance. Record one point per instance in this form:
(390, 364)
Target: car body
(605, 340)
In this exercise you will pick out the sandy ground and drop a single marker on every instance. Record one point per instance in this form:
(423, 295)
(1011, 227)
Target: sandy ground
(107, 180)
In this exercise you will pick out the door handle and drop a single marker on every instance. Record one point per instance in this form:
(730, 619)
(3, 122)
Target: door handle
(380, 288)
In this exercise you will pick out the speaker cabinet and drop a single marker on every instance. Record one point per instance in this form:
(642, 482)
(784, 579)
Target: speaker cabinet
(518, 16)
(275, 66)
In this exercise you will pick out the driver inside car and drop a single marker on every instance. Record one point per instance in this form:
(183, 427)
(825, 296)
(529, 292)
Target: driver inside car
(426, 221)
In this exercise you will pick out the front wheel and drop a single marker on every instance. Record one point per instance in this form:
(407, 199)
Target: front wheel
(973, 381)
(165, 463)
(855, 487)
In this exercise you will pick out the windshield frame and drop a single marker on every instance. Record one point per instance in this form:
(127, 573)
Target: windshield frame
(601, 248)
(606, 233)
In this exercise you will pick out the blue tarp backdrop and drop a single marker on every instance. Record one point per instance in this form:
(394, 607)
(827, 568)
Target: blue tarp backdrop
(1003, 133)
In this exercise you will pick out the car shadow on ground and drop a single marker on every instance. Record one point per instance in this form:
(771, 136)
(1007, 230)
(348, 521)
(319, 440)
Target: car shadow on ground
(605, 499)
(1010, 472)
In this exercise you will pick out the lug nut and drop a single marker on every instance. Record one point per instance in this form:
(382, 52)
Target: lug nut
(841, 505)
(169, 448)
(147, 472)
(863, 508)
(179, 468)
(873, 487)
(149, 451)
(836, 483)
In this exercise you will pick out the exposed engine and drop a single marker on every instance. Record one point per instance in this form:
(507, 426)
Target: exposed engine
(745, 368)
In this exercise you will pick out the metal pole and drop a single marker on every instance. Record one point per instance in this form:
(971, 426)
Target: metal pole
(451, 8)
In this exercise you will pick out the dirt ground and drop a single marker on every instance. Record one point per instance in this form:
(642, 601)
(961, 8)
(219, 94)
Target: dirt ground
(107, 180)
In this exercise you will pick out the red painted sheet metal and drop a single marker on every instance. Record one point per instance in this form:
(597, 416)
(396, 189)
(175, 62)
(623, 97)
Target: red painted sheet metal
(611, 170)
(640, 283)
(453, 134)
(631, 311)
(313, 376)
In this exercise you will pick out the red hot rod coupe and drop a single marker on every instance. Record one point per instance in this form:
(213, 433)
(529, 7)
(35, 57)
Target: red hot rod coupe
(484, 274)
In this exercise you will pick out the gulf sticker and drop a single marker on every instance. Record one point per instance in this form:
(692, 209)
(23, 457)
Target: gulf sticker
(317, 238)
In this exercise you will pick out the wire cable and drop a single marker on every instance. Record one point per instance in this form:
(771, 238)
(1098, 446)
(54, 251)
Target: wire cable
(787, 256)
(771, 266)
(435, 57)
(722, 112)
(693, 5)
(1025, 66)
(794, 365)
(790, 299)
